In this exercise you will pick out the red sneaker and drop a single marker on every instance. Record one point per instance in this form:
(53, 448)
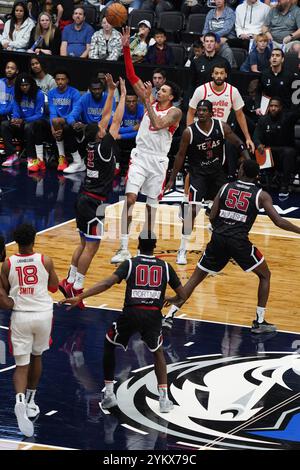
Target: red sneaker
(34, 164)
(65, 288)
(62, 163)
(76, 292)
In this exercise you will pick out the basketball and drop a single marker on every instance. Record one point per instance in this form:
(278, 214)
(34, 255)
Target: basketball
(116, 15)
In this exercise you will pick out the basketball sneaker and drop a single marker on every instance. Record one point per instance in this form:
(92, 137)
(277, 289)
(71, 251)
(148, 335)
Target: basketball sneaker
(25, 425)
(263, 327)
(120, 256)
(62, 163)
(109, 401)
(65, 288)
(11, 160)
(181, 257)
(167, 323)
(165, 405)
(75, 293)
(32, 410)
(75, 167)
(34, 164)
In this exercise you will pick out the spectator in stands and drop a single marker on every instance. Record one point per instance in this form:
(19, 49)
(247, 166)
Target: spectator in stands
(160, 53)
(259, 58)
(27, 122)
(64, 12)
(101, 76)
(220, 20)
(282, 25)
(201, 68)
(106, 43)
(76, 37)
(276, 131)
(89, 108)
(7, 90)
(252, 103)
(45, 38)
(44, 80)
(250, 16)
(139, 42)
(195, 52)
(34, 9)
(62, 101)
(17, 30)
(133, 115)
(159, 77)
(189, 7)
(276, 80)
(157, 6)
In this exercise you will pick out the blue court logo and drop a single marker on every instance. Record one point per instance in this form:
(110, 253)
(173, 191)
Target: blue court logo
(221, 402)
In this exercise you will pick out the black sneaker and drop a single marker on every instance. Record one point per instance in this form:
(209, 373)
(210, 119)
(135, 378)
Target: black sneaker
(263, 327)
(167, 323)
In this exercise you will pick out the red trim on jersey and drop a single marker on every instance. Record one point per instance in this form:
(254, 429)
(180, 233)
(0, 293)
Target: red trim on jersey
(43, 260)
(145, 307)
(205, 91)
(126, 176)
(215, 92)
(94, 196)
(24, 256)
(172, 129)
(162, 189)
(231, 95)
(157, 104)
(50, 337)
(9, 263)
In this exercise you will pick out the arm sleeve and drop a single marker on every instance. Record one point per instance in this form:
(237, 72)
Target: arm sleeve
(130, 72)
(122, 271)
(174, 280)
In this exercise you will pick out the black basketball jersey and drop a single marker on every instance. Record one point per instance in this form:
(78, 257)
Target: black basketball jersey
(147, 278)
(206, 152)
(101, 164)
(238, 209)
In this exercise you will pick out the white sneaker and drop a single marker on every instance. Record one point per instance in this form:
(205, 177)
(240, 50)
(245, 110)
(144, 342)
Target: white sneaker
(75, 167)
(120, 256)
(109, 401)
(181, 257)
(32, 410)
(296, 181)
(25, 425)
(165, 405)
(167, 323)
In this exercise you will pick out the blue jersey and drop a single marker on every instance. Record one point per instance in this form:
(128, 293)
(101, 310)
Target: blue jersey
(61, 104)
(88, 110)
(29, 109)
(7, 94)
(129, 121)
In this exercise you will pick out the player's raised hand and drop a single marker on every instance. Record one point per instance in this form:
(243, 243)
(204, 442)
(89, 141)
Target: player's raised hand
(110, 83)
(125, 37)
(122, 86)
(148, 90)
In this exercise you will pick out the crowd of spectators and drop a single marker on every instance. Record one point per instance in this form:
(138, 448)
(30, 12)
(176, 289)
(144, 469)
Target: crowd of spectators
(37, 101)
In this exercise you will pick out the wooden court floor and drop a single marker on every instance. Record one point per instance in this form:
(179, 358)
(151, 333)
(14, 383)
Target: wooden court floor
(229, 297)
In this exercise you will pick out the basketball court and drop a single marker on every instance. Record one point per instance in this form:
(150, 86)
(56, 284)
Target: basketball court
(232, 390)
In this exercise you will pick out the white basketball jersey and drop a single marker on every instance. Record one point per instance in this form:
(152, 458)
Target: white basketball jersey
(151, 141)
(28, 279)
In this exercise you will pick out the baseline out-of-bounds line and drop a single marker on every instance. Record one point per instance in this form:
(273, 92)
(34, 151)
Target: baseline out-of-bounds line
(187, 318)
(35, 444)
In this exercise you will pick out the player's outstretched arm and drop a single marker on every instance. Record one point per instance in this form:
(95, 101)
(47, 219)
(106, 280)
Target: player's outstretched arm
(134, 80)
(236, 141)
(265, 201)
(97, 288)
(119, 113)
(106, 114)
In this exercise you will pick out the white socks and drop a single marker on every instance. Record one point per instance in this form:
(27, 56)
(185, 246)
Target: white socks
(20, 398)
(124, 241)
(39, 152)
(184, 241)
(109, 387)
(30, 394)
(72, 274)
(61, 148)
(79, 281)
(172, 311)
(260, 314)
(76, 157)
(163, 391)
